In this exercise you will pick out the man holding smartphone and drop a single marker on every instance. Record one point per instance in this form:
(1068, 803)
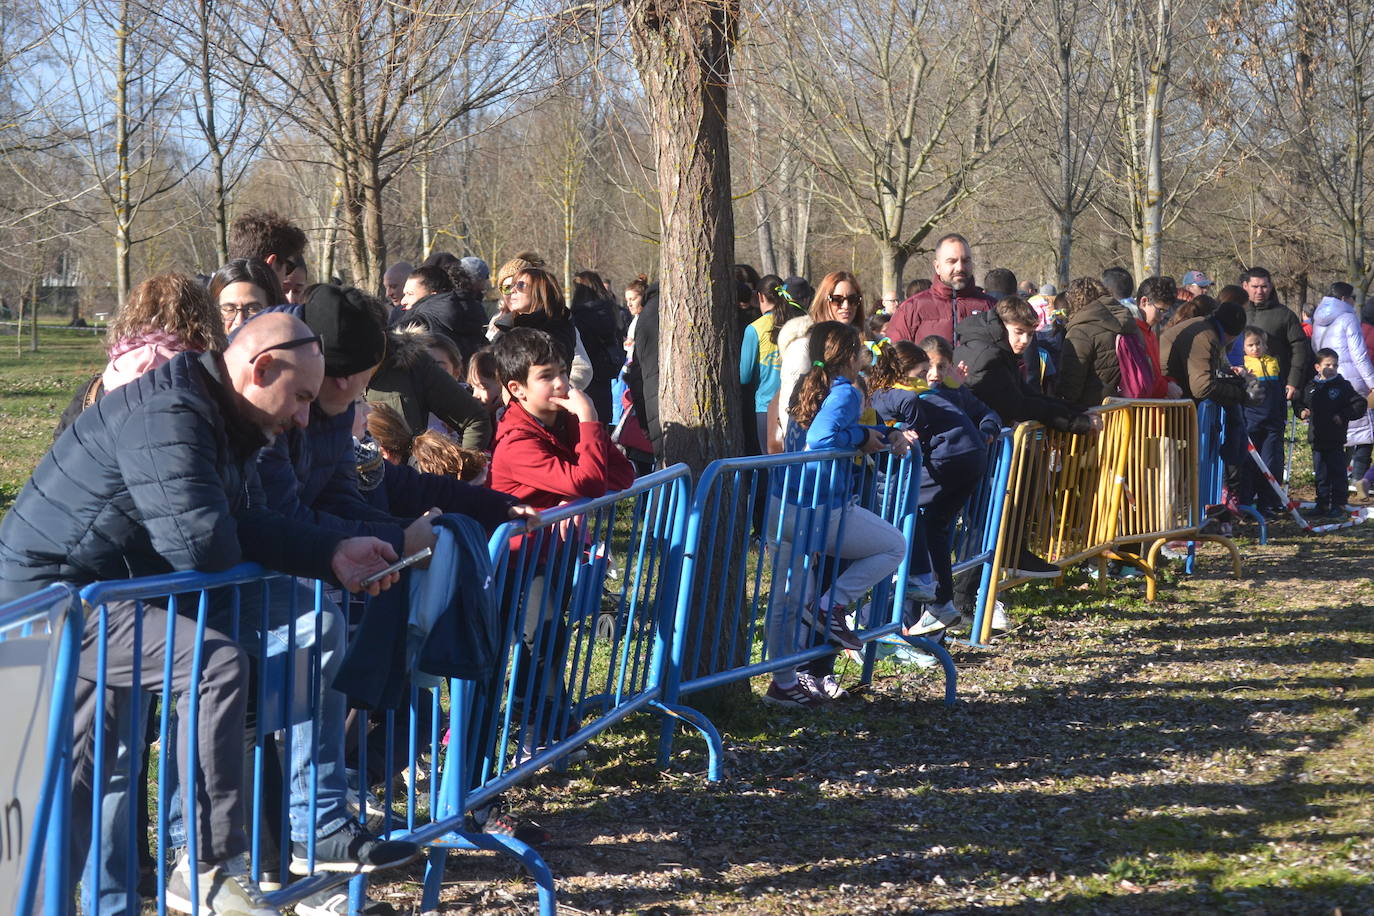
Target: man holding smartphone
(159, 477)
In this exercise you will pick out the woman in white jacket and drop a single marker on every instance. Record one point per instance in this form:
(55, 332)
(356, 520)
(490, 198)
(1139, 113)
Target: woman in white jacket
(1336, 324)
(838, 298)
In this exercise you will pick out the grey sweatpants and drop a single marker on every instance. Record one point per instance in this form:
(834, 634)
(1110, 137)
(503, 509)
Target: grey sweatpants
(223, 700)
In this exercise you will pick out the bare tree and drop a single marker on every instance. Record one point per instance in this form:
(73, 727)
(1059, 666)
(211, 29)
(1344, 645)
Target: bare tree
(1175, 131)
(1310, 64)
(357, 74)
(899, 115)
(1062, 137)
(115, 110)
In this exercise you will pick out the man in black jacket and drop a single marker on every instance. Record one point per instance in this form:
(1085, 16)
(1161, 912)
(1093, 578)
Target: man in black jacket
(1287, 341)
(159, 477)
(998, 358)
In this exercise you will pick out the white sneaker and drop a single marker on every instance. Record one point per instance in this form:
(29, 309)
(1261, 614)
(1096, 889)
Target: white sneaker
(1000, 623)
(936, 617)
(829, 688)
(223, 889)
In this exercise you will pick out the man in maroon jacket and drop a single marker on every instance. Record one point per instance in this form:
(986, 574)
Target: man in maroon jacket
(952, 297)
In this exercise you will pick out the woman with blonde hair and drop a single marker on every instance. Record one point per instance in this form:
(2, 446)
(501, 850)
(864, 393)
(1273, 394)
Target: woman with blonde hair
(531, 298)
(164, 315)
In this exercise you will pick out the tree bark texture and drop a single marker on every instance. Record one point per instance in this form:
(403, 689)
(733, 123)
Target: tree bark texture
(682, 50)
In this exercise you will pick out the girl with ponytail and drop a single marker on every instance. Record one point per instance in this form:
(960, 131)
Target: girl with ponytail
(953, 429)
(824, 414)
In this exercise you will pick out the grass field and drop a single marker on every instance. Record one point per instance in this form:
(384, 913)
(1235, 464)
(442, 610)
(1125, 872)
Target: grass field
(1209, 753)
(34, 390)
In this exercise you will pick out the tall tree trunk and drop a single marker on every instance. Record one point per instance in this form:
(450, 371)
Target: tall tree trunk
(892, 258)
(426, 227)
(374, 230)
(1155, 96)
(33, 317)
(682, 51)
(211, 133)
(331, 229)
(764, 210)
(1067, 189)
(123, 197)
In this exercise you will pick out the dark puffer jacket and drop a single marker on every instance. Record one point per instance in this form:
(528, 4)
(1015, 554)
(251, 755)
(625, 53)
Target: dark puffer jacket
(1287, 341)
(312, 475)
(155, 477)
(414, 385)
(998, 378)
(1088, 366)
(462, 321)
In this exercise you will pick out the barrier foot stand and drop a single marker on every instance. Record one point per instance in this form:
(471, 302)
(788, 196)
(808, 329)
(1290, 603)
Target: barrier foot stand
(947, 663)
(870, 660)
(434, 880)
(715, 747)
(533, 862)
(1254, 512)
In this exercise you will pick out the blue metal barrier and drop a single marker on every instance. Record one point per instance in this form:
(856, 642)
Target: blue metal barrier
(52, 616)
(975, 539)
(245, 604)
(760, 544)
(586, 608)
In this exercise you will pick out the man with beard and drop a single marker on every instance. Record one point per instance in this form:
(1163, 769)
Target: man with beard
(952, 297)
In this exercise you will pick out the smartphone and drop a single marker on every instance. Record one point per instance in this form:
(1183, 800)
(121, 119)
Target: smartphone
(397, 566)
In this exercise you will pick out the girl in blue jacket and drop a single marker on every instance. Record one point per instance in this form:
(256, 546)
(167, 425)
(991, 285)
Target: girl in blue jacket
(954, 453)
(824, 414)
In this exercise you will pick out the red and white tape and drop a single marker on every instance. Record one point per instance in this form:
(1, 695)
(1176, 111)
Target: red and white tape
(1357, 517)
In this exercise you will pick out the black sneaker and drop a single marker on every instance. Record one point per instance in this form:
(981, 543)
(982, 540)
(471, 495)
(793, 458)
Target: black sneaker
(1029, 566)
(352, 849)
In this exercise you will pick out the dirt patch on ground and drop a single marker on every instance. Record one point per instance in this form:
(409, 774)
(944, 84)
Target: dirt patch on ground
(1208, 753)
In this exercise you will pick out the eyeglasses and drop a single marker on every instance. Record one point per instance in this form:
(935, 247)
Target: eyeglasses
(852, 299)
(288, 345)
(518, 286)
(247, 311)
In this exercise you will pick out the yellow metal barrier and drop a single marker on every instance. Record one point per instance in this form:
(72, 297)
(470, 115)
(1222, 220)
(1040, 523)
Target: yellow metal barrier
(1103, 496)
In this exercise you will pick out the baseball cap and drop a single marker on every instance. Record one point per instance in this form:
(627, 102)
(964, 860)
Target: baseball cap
(1195, 276)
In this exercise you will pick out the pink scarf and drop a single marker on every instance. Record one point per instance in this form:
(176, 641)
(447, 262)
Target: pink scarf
(133, 356)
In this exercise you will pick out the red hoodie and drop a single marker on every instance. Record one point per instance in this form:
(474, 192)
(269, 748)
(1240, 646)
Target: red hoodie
(545, 466)
(933, 312)
(1161, 385)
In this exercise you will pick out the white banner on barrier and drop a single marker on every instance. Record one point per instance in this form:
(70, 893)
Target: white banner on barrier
(26, 671)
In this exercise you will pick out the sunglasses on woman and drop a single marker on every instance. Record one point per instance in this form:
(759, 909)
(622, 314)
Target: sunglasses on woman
(852, 299)
(508, 287)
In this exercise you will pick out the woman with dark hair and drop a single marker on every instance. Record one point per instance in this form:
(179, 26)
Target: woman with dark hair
(598, 326)
(760, 360)
(242, 288)
(442, 301)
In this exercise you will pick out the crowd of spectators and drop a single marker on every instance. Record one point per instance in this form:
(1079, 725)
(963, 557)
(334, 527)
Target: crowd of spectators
(319, 430)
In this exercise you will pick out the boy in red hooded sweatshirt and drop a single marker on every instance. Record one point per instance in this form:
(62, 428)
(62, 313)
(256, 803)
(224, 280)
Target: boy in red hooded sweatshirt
(550, 446)
(550, 449)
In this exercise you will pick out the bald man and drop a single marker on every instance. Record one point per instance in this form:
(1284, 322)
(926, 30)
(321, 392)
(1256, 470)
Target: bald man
(157, 477)
(394, 281)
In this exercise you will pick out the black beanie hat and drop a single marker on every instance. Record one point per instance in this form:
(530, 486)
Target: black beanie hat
(1231, 317)
(350, 335)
